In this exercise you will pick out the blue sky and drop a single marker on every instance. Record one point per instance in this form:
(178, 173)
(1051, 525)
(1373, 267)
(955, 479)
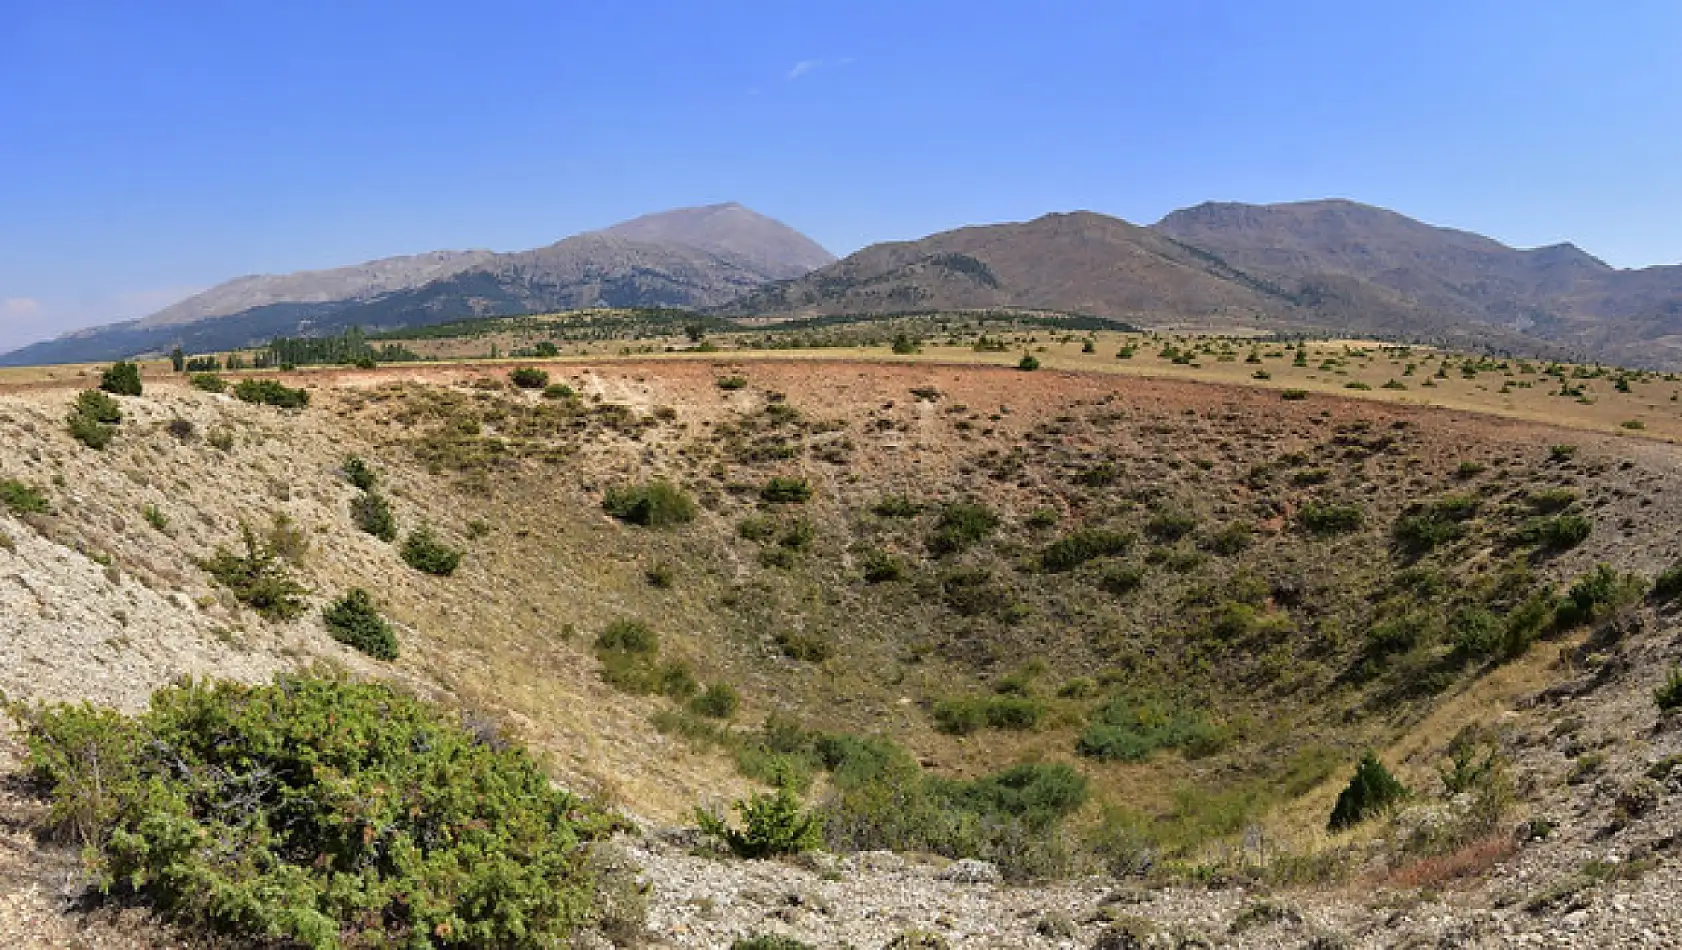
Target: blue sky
(147, 150)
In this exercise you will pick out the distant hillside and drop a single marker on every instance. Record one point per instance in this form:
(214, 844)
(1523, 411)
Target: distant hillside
(1079, 263)
(694, 257)
(730, 230)
(357, 282)
(1383, 261)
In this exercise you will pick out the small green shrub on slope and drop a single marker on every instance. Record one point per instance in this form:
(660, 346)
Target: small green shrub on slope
(359, 473)
(21, 499)
(655, 505)
(423, 551)
(371, 513)
(319, 813)
(258, 578)
(1371, 791)
(354, 621)
(772, 824)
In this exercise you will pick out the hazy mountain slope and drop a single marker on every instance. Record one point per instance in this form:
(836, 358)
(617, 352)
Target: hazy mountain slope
(358, 281)
(1079, 262)
(1375, 257)
(730, 230)
(694, 257)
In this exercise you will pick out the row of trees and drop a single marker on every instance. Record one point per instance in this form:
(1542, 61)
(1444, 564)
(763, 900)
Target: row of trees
(350, 348)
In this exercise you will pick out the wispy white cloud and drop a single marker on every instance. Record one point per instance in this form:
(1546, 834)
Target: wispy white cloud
(808, 66)
(25, 320)
(20, 307)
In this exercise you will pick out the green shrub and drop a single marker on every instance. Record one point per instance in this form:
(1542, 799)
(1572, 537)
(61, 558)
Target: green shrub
(1371, 791)
(359, 473)
(1168, 525)
(529, 377)
(371, 513)
(1558, 533)
(732, 383)
(629, 636)
(772, 824)
(655, 505)
(895, 506)
(1476, 632)
(962, 524)
(1028, 363)
(1328, 519)
(1121, 579)
(155, 517)
(718, 701)
(781, 491)
(558, 391)
(1550, 501)
(1129, 727)
(208, 382)
(1294, 395)
(84, 429)
(1668, 585)
(271, 392)
(21, 499)
(1669, 695)
(354, 621)
(319, 813)
(93, 419)
(880, 567)
(121, 379)
(1232, 538)
(423, 551)
(660, 575)
(258, 578)
(1596, 594)
(1562, 453)
(963, 715)
(904, 345)
(1073, 550)
(806, 647)
(757, 528)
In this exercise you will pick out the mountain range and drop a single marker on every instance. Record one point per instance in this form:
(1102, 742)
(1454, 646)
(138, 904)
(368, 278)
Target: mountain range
(1329, 266)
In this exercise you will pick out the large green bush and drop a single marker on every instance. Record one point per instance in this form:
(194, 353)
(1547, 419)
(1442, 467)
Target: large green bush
(656, 504)
(629, 636)
(1371, 791)
(529, 377)
(271, 392)
(354, 621)
(1073, 550)
(1129, 727)
(319, 813)
(121, 379)
(1553, 534)
(258, 578)
(423, 551)
(962, 524)
(1328, 519)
